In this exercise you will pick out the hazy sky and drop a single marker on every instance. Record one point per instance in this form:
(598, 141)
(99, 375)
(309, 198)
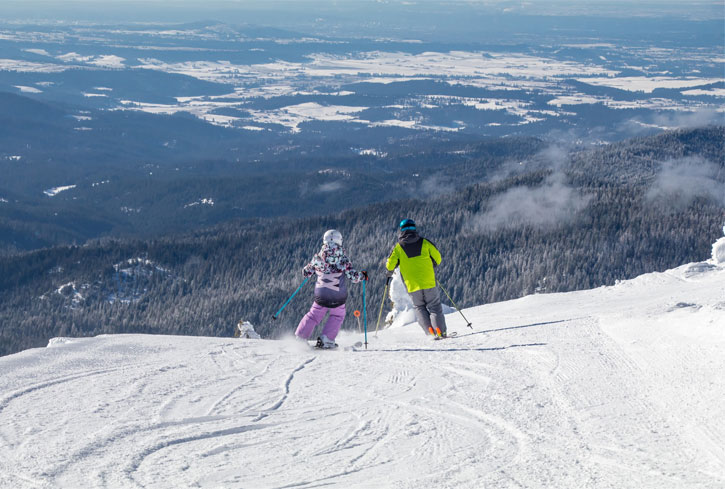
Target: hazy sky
(385, 12)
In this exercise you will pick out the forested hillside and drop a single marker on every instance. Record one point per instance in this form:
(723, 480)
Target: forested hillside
(552, 222)
(143, 175)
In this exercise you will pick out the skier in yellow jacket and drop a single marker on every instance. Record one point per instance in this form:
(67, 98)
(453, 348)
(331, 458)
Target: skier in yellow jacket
(417, 258)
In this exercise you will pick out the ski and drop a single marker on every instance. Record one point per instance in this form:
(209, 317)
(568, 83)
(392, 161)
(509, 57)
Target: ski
(452, 335)
(353, 347)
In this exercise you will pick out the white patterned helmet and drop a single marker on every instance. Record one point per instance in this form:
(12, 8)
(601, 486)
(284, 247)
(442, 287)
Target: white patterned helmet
(332, 237)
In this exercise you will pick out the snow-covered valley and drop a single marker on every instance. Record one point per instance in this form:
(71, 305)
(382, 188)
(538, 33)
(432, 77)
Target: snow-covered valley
(614, 387)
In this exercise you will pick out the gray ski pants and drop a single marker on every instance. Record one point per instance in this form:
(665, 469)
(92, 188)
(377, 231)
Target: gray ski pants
(428, 309)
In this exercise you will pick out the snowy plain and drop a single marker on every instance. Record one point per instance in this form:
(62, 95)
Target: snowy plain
(615, 387)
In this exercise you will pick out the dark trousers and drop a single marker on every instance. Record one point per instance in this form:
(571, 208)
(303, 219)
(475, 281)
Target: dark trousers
(428, 309)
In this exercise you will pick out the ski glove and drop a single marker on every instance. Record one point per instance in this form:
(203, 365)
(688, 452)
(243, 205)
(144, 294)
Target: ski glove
(364, 274)
(387, 282)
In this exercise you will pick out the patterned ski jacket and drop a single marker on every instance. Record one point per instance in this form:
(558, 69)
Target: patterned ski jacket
(417, 258)
(331, 266)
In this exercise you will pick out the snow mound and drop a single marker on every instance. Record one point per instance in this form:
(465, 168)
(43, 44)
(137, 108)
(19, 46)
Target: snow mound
(245, 329)
(59, 341)
(403, 311)
(718, 251)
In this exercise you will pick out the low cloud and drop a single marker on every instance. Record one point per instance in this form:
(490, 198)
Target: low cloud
(548, 205)
(436, 185)
(552, 204)
(674, 120)
(682, 120)
(554, 157)
(680, 181)
(331, 187)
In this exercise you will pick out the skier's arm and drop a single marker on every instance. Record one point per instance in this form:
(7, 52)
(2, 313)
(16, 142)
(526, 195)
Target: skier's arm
(435, 255)
(393, 261)
(350, 271)
(309, 269)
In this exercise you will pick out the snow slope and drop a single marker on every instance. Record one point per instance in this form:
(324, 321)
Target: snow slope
(616, 387)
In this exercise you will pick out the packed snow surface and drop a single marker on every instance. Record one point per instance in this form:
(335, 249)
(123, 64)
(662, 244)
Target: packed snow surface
(616, 387)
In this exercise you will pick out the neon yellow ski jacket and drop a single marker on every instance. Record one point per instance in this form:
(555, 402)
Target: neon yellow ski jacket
(416, 259)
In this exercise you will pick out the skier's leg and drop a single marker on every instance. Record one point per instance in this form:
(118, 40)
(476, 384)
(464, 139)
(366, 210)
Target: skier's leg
(435, 308)
(421, 313)
(315, 315)
(332, 326)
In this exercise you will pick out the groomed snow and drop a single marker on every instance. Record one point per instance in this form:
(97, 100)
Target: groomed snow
(616, 387)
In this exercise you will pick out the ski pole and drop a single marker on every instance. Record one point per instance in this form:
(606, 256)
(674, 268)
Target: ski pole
(454, 305)
(382, 303)
(290, 298)
(365, 317)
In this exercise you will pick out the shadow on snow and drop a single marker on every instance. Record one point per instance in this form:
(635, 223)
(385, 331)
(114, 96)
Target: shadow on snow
(443, 350)
(514, 327)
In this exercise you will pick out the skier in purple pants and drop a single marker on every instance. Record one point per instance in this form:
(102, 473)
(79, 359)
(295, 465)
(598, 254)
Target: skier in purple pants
(331, 266)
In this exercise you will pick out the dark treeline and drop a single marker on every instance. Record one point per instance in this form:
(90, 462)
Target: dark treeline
(201, 283)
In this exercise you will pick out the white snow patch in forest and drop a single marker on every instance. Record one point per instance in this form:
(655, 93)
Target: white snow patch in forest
(73, 57)
(648, 84)
(52, 192)
(713, 92)
(372, 152)
(40, 52)
(203, 201)
(25, 89)
(219, 120)
(30, 67)
(576, 99)
(108, 61)
(294, 115)
(103, 61)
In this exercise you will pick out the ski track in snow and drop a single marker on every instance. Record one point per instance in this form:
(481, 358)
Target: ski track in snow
(609, 388)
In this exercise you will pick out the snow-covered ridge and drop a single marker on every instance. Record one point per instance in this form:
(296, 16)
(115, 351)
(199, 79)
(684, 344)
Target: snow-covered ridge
(618, 386)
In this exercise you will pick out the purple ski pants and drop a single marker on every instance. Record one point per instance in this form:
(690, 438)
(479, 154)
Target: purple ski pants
(315, 317)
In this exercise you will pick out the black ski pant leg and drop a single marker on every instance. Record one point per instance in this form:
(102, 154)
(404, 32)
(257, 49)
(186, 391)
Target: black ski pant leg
(435, 308)
(421, 311)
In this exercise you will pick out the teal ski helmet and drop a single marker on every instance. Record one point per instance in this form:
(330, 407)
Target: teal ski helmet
(407, 224)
